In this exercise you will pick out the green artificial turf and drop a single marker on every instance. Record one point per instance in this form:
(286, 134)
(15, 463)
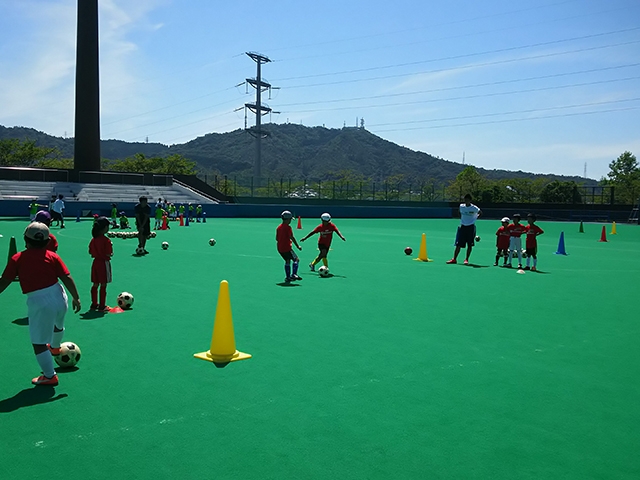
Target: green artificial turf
(391, 368)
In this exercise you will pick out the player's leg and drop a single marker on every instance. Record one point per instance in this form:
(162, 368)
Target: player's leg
(534, 253)
(58, 323)
(296, 263)
(41, 325)
(498, 252)
(519, 249)
(512, 247)
(94, 295)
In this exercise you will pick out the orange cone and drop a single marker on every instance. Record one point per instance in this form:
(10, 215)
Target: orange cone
(181, 220)
(603, 236)
(299, 223)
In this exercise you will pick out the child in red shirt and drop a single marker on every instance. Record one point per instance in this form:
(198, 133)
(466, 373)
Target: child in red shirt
(502, 242)
(101, 249)
(284, 239)
(325, 229)
(516, 229)
(532, 231)
(38, 270)
(45, 217)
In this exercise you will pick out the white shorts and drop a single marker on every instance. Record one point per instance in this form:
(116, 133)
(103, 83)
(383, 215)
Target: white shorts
(515, 244)
(46, 308)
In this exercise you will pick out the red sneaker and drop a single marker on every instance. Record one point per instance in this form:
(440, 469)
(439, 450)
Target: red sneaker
(54, 351)
(42, 380)
(466, 262)
(453, 260)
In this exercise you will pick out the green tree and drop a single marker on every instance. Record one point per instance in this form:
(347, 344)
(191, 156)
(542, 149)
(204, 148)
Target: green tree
(560, 192)
(139, 163)
(624, 175)
(467, 181)
(17, 153)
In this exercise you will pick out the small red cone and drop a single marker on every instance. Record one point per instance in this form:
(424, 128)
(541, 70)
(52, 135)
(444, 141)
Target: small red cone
(603, 236)
(181, 220)
(299, 223)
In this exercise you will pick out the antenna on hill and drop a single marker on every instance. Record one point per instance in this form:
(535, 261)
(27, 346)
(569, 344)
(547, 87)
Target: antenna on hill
(258, 108)
(585, 170)
(463, 158)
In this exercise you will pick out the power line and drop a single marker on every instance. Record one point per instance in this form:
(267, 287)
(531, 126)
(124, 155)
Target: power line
(467, 97)
(466, 55)
(464, 67)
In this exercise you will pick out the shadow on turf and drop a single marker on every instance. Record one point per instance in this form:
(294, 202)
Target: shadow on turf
(21, 321)
(92, 315)
(474, 265)
(287, 284)
(30, 397)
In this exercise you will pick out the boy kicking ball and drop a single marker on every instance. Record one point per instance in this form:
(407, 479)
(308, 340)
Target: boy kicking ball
(325, 229)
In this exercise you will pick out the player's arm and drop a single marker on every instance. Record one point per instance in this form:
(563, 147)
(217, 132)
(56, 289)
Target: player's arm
(295, 242)
(68, 282)
(339, 234)
(307, 236)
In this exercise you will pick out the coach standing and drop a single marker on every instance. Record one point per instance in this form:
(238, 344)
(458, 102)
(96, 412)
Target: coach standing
(469, 213)
(58, 210)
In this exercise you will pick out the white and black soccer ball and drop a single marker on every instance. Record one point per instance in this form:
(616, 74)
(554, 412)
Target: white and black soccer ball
(125, 300)
(69, 355)
(477, 238)
(212, 241)
(165, 245)
(323, 271)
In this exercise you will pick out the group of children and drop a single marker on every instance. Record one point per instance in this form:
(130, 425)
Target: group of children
(509, 241)
(285, 241)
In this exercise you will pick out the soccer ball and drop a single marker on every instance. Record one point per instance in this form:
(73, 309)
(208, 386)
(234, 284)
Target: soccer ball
(477, 238)
(165, 245)
(125, 300)
(139, 251)
(212, 241)
(408, 250)
(69, 355)
(323, 271)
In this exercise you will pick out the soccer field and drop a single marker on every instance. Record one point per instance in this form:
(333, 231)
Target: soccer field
(389, 369)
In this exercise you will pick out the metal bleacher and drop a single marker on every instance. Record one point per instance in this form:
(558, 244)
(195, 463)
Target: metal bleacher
(91, 192)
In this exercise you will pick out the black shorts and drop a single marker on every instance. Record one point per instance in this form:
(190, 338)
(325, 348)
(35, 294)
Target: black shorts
(56, 215)
(289, 256)
(466, 236)
(145, 230)
(531, 252)
(324, 250)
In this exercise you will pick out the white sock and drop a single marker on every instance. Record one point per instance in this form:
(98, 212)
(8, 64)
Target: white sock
(45, 360)
(57, 338)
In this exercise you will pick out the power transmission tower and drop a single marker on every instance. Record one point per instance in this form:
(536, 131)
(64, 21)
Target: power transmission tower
(258, 108)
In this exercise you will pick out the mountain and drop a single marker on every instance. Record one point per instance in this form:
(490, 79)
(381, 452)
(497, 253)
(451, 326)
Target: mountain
(291, 151)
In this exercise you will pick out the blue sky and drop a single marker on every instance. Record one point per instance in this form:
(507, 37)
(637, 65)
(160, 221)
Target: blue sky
(543, 86)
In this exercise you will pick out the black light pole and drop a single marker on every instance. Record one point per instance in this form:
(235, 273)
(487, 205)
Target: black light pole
(87, 119)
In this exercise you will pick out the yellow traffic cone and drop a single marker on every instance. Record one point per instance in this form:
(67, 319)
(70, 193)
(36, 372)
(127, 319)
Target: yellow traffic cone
(422, 256)
(223, 344)
(613, 229)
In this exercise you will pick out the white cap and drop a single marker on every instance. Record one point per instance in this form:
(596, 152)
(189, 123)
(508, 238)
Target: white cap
(37, 231)
(505, 219)
(326, 217)
(286, 214)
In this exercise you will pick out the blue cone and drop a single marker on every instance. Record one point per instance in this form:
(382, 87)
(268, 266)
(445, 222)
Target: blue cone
(78, 217)
(561, 250)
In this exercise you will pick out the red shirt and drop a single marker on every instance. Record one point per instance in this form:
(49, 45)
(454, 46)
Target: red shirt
(53, 243)
(516, 229)
(532, 232)
(101, 248)
(502, 242)
(37, 268)
(326, 233)
(283, 237)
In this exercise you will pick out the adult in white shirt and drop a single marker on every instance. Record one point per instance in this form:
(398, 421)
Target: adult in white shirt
(58, 210)
(469, 213)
